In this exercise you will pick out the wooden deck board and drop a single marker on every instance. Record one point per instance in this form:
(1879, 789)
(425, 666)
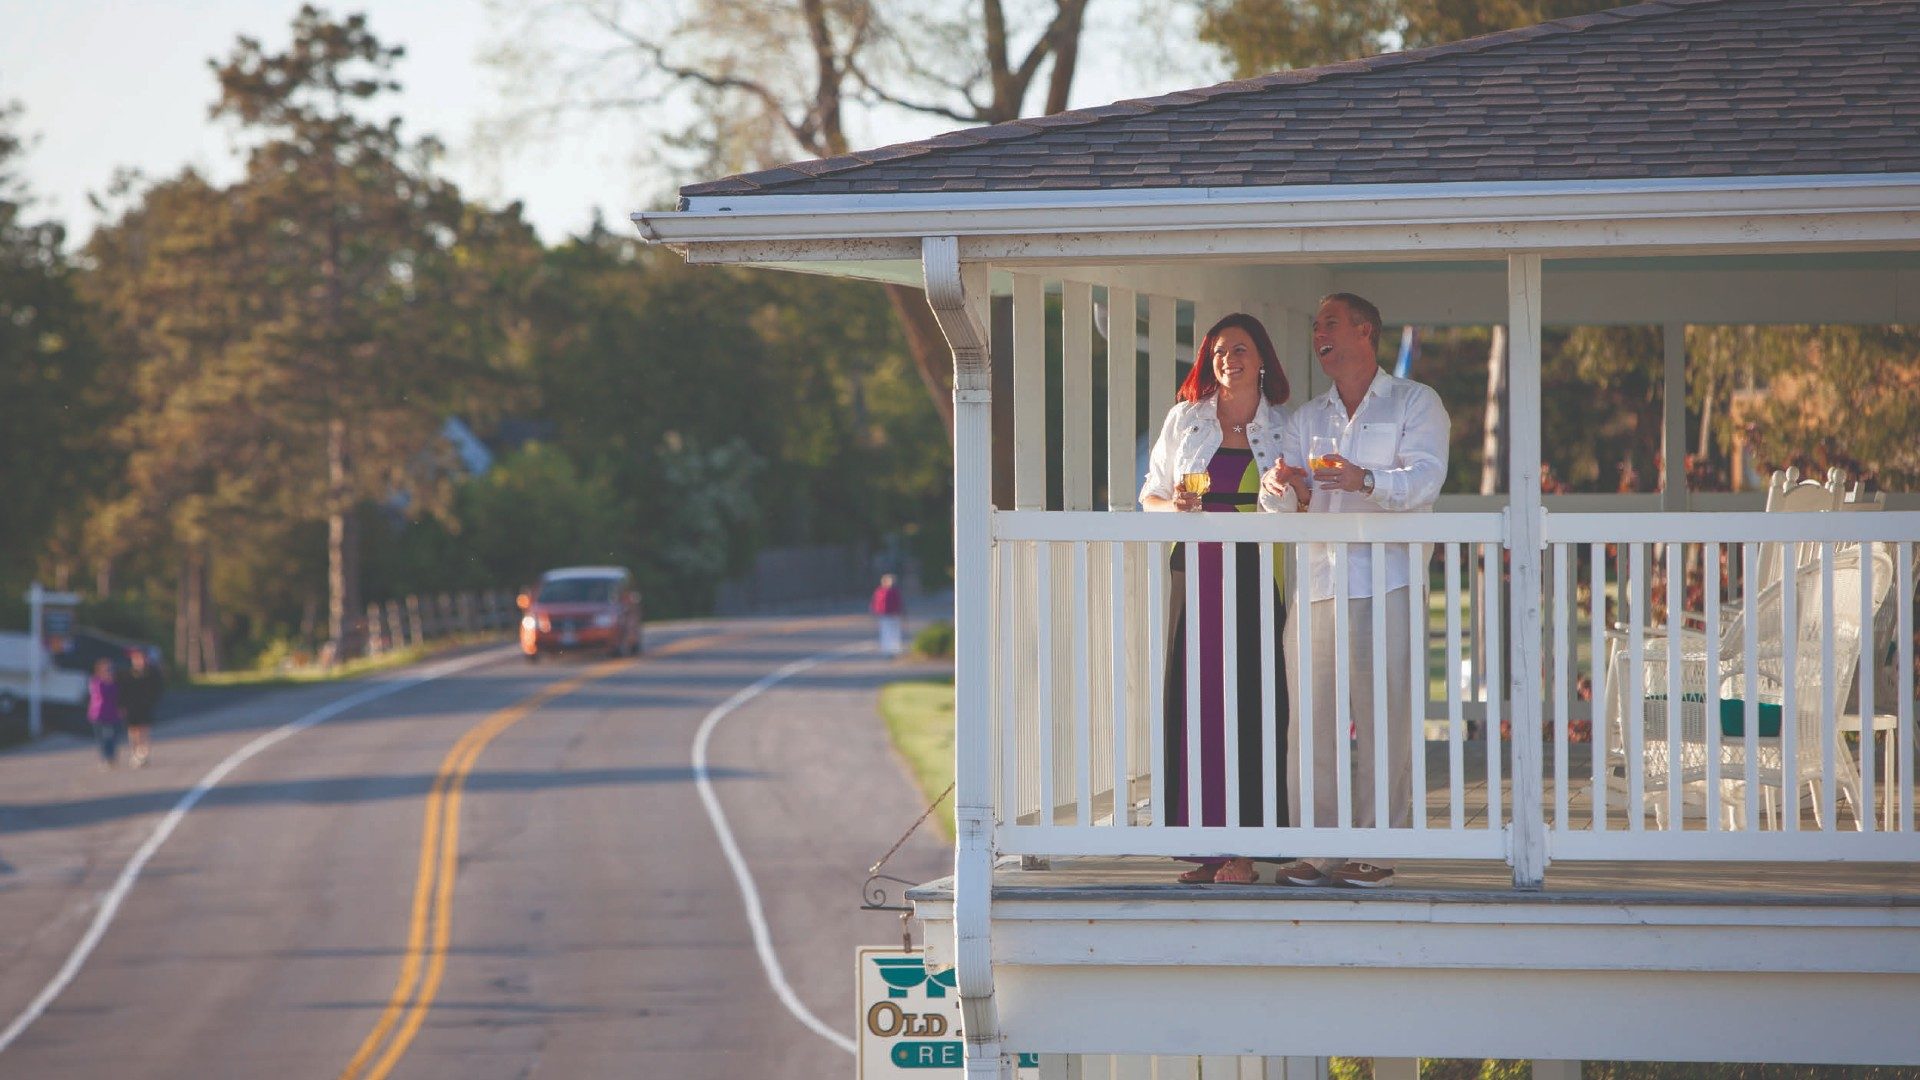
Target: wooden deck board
(1870, 884)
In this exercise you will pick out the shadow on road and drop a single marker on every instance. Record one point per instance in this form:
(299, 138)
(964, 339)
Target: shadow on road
(39, 817)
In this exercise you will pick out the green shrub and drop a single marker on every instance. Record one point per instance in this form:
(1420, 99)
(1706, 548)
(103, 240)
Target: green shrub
(934, 641)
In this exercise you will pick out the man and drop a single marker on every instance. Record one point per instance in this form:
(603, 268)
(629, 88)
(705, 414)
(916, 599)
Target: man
(139, 696)
(1385, 451)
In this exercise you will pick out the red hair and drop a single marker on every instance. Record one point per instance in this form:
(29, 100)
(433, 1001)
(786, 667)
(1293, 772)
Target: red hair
(1201, 381)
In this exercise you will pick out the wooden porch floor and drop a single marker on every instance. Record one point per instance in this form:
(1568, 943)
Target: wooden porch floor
(1847, 884)
(1566, 881)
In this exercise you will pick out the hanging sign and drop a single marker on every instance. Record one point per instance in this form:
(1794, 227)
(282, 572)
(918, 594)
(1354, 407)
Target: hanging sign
(910, 1018)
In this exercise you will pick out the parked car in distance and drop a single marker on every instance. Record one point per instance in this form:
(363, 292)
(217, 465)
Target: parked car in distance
(582, 607)
(84, 647)
(59, 688)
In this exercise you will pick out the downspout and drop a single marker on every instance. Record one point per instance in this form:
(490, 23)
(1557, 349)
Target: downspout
(960, 320)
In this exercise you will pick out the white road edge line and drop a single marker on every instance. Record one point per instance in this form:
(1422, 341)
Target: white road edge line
(756, 914)
(112, 898)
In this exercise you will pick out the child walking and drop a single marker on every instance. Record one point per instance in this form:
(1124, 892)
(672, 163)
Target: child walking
(103, 711)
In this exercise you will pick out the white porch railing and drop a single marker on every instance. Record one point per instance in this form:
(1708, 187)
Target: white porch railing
(1080, 635)
(1081, 610)
(1755, 719)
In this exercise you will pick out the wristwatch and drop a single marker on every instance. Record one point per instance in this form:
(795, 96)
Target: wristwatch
(1366, 481)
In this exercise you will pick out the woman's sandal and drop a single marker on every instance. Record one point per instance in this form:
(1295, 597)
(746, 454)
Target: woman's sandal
(1236, 872)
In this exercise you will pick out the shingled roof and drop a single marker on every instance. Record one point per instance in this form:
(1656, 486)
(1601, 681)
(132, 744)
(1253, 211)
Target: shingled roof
(1674, 88)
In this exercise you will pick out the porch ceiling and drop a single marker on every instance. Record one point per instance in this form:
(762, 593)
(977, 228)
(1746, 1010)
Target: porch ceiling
(1865, 288)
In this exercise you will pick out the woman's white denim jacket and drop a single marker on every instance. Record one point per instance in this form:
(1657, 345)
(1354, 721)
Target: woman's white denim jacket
(1192, 433)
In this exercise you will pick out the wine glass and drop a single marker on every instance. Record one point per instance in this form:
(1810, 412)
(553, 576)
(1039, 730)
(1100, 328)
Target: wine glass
(1196, 483)
(1320, 448)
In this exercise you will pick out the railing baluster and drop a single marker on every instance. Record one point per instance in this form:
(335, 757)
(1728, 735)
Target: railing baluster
(1789, 672)
(1750, 682)
(1269, 707)
(1476, 632)
(1456, 725)
(1599, 724)
(1903, 741)
(1043, 649)
(1156, 681)
(1417, 582)
(1004, 728)
(1864, 669)
(1382, 733)
(1676, 725)
(1562, 603)
(1229, 675)
(1710, 609)
(1637, 691)
(1495, 689)
(1829, 703)
(1082, 693)
(1192, 666)
(1301, 668)
(1122, 705)
(1342, 692)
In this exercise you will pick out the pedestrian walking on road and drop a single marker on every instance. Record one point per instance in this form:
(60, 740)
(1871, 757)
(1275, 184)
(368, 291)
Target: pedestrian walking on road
(139, 697)
(103, 711)
(889, 610)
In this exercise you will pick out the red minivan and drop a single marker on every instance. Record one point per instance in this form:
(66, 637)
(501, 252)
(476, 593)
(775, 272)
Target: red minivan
(581, 607)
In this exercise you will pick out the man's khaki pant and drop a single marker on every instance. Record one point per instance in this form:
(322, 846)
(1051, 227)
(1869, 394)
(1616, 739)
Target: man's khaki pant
(1397, 718)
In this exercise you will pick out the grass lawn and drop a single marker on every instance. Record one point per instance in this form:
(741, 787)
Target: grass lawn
(919, 716)
(367, 665)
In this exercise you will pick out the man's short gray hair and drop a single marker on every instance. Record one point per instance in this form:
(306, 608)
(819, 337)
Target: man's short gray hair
(1362, 307)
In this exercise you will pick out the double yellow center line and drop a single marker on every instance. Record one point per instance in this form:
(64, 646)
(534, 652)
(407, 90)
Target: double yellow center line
(430, 928)
(421, 970)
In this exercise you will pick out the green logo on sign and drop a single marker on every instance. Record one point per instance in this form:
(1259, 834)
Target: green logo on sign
(903, 973)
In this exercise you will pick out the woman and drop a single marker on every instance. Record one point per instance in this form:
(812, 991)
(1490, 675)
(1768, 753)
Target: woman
(1226, 424)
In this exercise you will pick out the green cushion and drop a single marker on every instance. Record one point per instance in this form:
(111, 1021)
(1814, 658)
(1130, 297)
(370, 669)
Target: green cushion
(1733, 715)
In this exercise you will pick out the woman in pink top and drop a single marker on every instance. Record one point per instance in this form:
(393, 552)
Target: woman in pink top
(890, 610)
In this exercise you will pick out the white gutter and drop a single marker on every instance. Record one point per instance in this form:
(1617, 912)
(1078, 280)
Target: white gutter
(776, 218)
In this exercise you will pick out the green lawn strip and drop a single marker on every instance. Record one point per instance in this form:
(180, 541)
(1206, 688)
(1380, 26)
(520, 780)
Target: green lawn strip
(352, 669)
(919, 716)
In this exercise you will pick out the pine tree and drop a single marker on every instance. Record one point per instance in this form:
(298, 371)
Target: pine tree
(358, 280)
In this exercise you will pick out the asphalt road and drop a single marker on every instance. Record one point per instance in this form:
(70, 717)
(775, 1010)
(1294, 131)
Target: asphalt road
(594, 927)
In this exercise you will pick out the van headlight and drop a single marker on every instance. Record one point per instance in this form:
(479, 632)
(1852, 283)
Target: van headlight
(604, 619)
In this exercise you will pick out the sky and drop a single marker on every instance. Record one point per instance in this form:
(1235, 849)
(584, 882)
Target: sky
(109, 84)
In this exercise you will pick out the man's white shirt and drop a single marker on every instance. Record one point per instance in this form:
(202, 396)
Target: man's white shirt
(1401, 433)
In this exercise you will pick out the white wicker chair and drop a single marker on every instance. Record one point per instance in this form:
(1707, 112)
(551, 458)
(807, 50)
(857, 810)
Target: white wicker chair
(1667, 761)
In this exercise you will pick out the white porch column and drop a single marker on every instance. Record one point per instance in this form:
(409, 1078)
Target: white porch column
(1528, 838)
(958, 299)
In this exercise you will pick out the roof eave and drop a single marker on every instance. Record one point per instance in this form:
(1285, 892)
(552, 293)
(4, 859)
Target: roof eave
(1514, 215)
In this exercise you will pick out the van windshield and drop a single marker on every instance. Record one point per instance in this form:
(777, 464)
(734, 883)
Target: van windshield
(578, 590)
